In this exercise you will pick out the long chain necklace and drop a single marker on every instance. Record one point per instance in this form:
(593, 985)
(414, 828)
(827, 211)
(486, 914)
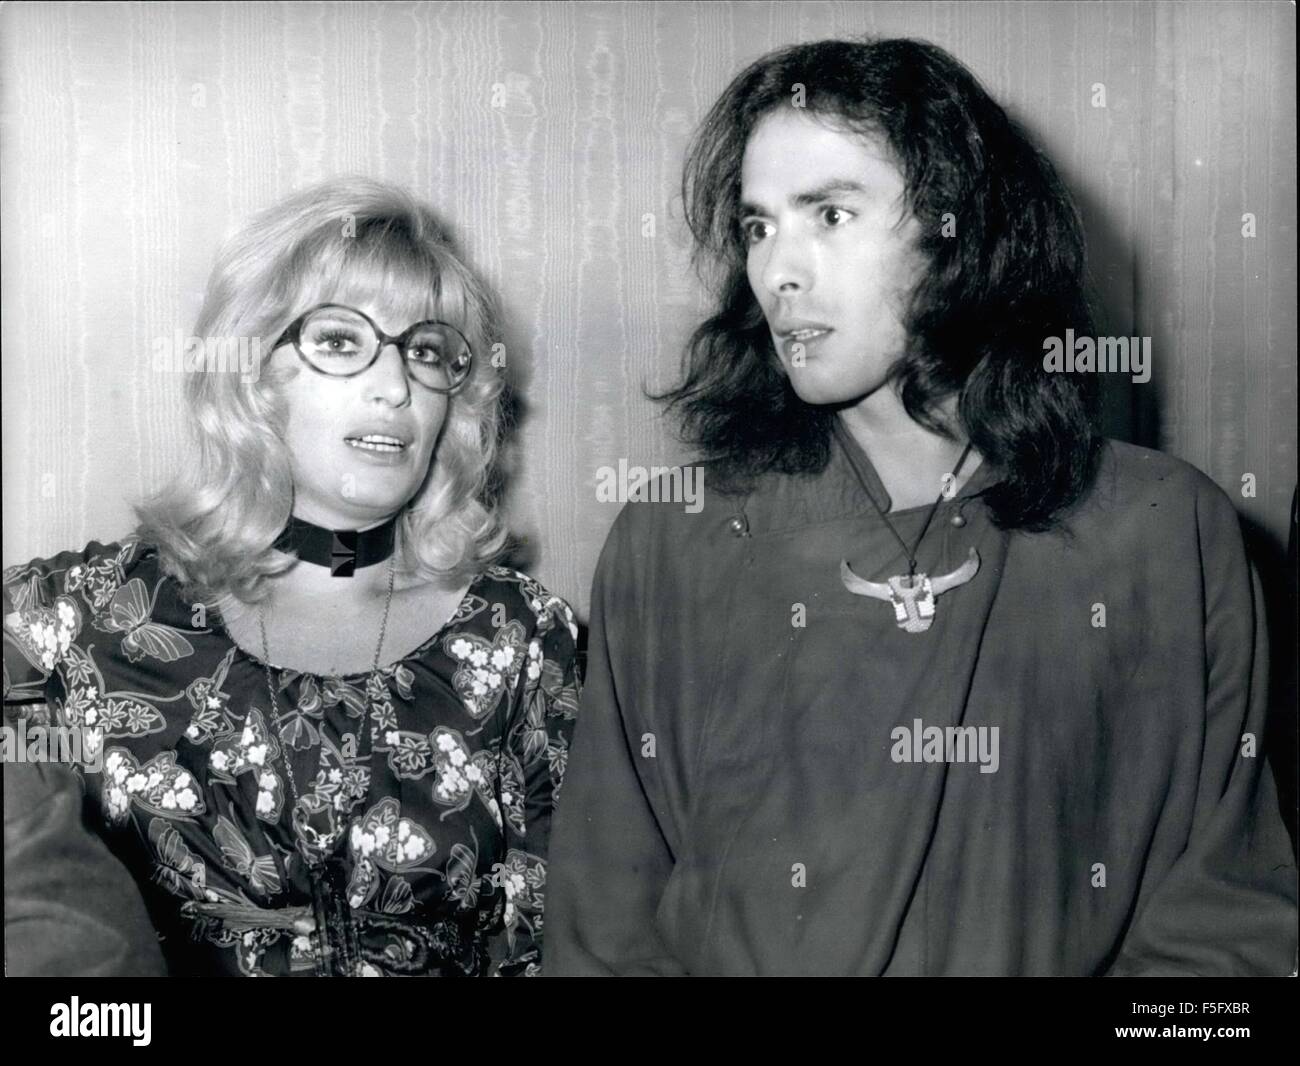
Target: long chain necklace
(913, 596)
(327, 845)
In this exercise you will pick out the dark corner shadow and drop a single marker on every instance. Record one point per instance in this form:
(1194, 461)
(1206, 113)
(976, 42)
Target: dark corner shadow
(1130, 411)
(1116, 288)
(1277, 573)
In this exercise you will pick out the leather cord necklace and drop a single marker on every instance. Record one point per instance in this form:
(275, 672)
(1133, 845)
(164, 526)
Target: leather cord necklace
(913, 596)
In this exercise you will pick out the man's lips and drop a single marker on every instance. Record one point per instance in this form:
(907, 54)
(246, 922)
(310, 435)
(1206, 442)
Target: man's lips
(799, 328)
(807, 334)
(798, 339)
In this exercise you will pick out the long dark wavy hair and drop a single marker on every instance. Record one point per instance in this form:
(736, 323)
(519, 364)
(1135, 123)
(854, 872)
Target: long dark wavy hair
(1011, 276)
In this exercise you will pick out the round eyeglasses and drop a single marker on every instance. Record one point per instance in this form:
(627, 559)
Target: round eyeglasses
(343, 342)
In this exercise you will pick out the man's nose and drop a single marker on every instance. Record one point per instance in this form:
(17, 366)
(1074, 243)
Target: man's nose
(788, 268)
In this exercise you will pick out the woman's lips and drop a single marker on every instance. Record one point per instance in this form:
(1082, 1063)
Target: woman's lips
(377, 444)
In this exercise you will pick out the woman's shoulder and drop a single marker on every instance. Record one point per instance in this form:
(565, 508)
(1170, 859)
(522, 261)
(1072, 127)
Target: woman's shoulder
(520, 593)
(50, 602)
(91, 577)
(509, 624)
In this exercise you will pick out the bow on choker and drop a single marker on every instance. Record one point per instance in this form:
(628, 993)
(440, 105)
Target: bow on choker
(344, 551)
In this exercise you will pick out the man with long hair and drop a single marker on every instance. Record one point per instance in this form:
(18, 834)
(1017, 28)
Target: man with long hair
(937, 681)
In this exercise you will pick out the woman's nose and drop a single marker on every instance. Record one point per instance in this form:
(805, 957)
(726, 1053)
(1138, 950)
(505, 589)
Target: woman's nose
(388, 377)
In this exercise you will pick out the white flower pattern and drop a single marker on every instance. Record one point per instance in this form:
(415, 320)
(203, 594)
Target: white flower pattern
(197, 751)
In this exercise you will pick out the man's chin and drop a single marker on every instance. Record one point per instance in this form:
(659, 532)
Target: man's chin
(820, 386)
(825, 393)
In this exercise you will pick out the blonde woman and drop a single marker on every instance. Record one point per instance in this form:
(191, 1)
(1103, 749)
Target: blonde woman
(321, 724)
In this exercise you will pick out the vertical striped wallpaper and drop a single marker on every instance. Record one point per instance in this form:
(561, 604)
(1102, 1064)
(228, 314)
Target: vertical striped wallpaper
(135, 136)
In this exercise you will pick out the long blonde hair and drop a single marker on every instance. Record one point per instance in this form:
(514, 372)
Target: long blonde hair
(215, 523)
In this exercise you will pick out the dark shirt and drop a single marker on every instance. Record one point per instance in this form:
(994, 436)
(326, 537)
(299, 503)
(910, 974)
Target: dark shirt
(738, 800)
(72, 908)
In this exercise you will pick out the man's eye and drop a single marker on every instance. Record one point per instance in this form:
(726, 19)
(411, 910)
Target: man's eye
(836, 216)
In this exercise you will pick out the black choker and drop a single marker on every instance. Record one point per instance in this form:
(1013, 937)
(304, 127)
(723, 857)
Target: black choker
(344, 551)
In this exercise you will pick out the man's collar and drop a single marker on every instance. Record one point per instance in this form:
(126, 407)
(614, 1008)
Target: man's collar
(780, 502)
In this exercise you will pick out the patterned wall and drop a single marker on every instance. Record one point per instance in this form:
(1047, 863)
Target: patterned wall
(136, 136)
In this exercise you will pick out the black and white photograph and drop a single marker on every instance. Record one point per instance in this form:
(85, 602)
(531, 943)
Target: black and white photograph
(676, 488)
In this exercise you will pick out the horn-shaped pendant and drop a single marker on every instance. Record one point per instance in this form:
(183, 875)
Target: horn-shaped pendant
(913, 598)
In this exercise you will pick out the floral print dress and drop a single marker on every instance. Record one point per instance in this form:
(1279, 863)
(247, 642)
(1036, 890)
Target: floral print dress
(426, 789)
